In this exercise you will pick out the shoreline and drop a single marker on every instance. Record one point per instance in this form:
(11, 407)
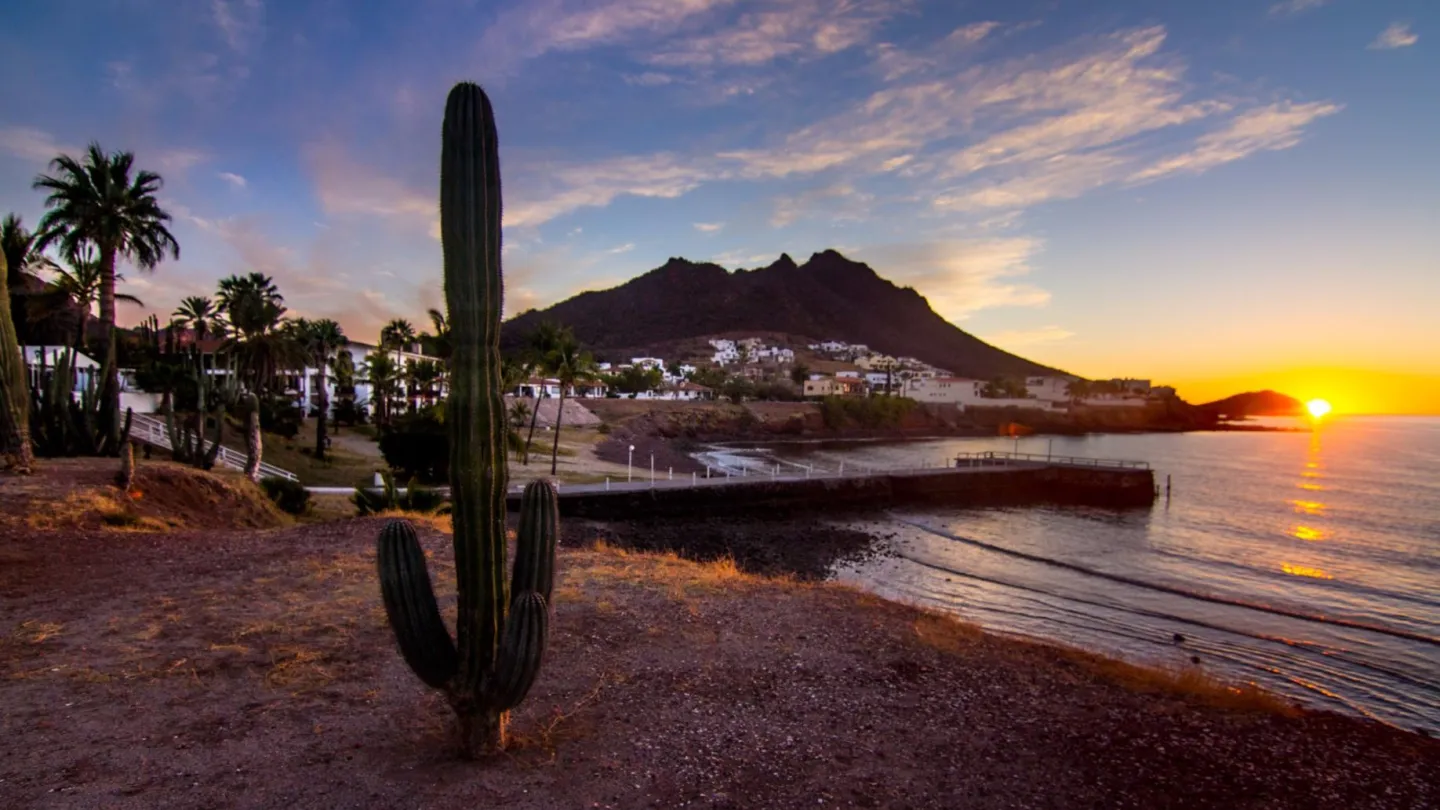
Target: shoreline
(667, 682)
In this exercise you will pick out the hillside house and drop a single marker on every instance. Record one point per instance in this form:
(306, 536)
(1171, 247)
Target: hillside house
(835, 387)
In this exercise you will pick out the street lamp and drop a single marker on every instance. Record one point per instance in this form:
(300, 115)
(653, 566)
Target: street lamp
(629, 459)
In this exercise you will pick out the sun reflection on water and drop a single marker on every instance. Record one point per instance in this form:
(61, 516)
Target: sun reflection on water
(1304, 571)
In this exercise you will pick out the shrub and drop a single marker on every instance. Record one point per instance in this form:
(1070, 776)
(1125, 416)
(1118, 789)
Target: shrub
(281, 416)
(603, 429)
(417, 498)
(417, 446)
(349, 414)
(872, 412)
(290, 496)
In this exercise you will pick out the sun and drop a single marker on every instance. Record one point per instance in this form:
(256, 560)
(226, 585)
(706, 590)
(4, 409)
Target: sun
(1317, 408)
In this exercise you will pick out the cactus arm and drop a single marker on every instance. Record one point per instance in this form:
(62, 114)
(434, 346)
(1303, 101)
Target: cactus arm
(14, 387)
(125, 429)
(521, 652)
(535, 541)
(411, 607)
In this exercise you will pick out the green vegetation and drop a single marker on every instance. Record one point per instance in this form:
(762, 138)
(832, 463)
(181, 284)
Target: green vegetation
(417, 498)
(290, 496)
(502, 631)
(871, 412)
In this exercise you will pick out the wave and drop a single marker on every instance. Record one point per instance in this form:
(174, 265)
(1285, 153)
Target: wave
(1162, 588)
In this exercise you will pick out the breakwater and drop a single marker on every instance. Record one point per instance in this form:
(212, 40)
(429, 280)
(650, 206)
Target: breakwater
(975, 486)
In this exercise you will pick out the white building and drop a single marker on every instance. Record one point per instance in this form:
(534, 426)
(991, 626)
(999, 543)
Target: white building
(648, 362)
(946, 390)
(1050, 389)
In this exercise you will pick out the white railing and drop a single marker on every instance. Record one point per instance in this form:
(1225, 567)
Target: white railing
(148, 429)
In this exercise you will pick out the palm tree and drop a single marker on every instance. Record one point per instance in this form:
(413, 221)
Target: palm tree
(101, 201)
(199, 313)
(397, 334)
(321, 339)
(439, 343)
(426, 376)
(571, 365)
(379, 370)
(82, 285)
(542, 343)
(252, 303)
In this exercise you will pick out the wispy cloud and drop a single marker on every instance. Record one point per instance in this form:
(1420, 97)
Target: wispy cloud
(961, 277)
(709, 227)
(840, 201)
(625, 248)
(533, 28)
(233, 179)
(1024, 338)
(1278, 126)
(795, 29)
(349, 187)
(1289, 7)
(32, 144)
(241, 22)
(1396, 35)
(552, 191)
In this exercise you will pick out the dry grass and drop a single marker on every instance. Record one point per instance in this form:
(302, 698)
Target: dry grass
(1189, 682)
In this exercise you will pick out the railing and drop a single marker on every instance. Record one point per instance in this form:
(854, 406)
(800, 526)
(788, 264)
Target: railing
(148, 429)
(991, 458)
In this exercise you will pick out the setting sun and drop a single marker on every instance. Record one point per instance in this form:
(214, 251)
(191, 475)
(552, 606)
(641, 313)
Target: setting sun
(1317, 407)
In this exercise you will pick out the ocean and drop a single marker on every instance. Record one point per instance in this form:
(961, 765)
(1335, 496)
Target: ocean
(1305, 562)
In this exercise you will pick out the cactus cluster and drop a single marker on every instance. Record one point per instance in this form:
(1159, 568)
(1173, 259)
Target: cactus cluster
(501, 629)
(61, 425)
(170, 367)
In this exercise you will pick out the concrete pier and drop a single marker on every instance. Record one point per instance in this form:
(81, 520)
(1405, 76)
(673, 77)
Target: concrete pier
(976, 485)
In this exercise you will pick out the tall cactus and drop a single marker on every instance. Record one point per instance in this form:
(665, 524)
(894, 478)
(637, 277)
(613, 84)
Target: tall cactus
(501, 630)
(14, 389)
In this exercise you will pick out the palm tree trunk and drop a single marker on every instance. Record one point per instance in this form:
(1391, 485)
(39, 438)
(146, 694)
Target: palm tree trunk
(324, 406)
(110, 387)
(534, 417)
(559, 415)
(80, 339)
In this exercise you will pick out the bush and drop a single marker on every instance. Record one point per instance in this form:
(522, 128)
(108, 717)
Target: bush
(603, 429)
(290, 496)
(349, 414)
(417, 498)
(872, 412)
(417, 446)
(281, 416)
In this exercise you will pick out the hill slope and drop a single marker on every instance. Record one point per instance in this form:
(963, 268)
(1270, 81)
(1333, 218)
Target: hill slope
(827, 298)
(1255, 403)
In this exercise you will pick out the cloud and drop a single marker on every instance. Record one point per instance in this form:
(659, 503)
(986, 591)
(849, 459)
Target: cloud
(233, 179)
(648, 79)
(241, 22)
(536, 27)
(547, 192)
(1396, 35)
(1022, 338)
(1289, 7)
(625, 248)
(346, 187)
(960, 277)
(31, 144)
(1277, 126)
(796, 29)
(708, 227)
(840, 201)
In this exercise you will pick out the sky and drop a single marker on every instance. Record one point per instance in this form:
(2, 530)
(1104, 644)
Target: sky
(1220, 196)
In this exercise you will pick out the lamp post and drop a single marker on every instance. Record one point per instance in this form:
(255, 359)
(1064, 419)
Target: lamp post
(629, 460)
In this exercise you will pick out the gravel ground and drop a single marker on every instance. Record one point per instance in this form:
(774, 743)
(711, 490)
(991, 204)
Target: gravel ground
(254, 669)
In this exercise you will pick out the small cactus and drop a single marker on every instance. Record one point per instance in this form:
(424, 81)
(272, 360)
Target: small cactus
(501, 630)
(125, 479)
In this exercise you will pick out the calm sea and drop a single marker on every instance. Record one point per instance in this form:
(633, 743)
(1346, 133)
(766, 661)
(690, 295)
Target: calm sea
(1307, 562)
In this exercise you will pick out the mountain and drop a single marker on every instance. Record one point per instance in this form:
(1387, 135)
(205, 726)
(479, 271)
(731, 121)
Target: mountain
(1255, 403)
(828, 297)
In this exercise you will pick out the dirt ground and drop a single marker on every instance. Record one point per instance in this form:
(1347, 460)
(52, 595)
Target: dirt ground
(207, 667)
